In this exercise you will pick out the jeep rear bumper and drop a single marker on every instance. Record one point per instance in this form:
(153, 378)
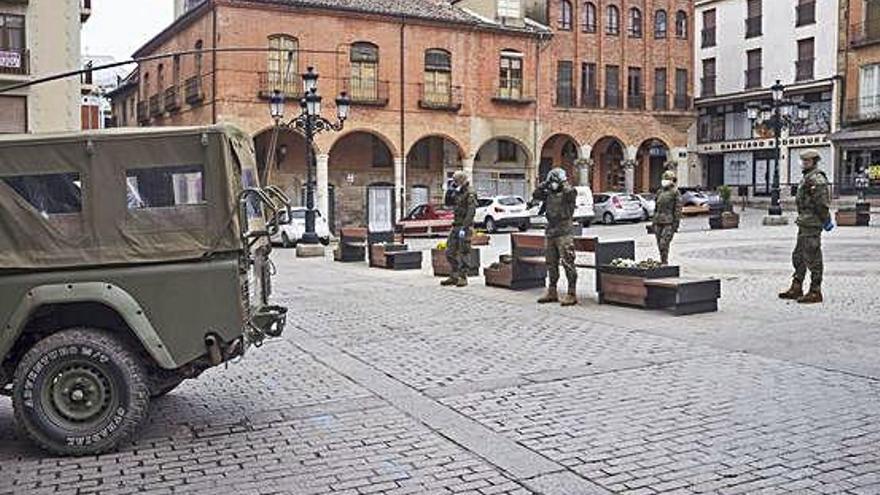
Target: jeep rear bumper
(269, 320)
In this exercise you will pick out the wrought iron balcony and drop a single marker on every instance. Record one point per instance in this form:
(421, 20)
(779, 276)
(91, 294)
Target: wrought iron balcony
(861, 110)
(683, 102)
(366, 92)
(865, 33)
(613, 100)
(156, 106)
(804, 69)
(635, 101)
(172, 99)
(708, 86)
(290, 86)
(513, 92)
(661, 102)
(753, 77)
(433, 98)
(193, 92)
(565, 98)
(590, 99)
(14, 62)
(143, 115)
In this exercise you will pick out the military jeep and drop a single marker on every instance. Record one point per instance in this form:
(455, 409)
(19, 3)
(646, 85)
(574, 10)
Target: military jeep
(130, 261)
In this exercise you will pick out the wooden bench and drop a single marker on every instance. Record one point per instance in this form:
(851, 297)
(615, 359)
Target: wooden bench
(627, 285)
(394, 256)
(683, 296)
(352, 245)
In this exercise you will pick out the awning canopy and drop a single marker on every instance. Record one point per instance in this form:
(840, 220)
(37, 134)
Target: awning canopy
(858, 137)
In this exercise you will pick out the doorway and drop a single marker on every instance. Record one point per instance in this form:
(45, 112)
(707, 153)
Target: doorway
(380, 208)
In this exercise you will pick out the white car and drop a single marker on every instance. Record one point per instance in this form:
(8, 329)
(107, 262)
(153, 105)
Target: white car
(583, 210)
(293, 227)
(502, 211)
(613, 207)
(649, 204)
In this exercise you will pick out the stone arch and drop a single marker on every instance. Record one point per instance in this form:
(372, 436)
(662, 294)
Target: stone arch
(560, 150)
(357, 161)
(430, 160)
(609, 155)
(501, 167)
(288, 160)
(651, 160)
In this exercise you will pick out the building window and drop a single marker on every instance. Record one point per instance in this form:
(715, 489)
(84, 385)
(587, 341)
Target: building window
(282, 64)
(661, 102)
(13, 114)
(681, 25)
(146, 87)
(612, 86)
(635, 23)
(806, 60)
(565, 84)
(12, 33)
(754, 19)
(708, 77)
(565, 15)
(613, 27)
(175, 71)
(589, 87)
(708, 33)
(806, 12)
(682, 99)
(590, 17)
(660, 24)
(869, 90)
(710, 125)
(509, 9)
(438, 77)
(753, 69)
(364, 58)
(511, 75)
(635, 97)
(198, 58)
(507, 151)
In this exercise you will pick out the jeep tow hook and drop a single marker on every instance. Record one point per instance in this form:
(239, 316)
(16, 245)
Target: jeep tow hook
(215, 354)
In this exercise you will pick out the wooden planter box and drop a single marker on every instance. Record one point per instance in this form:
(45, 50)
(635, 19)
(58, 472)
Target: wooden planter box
(627, 285)
(683, 296)
(726, 220)
(442, 268)
(480, 240)
(395, 257)
(851, 217)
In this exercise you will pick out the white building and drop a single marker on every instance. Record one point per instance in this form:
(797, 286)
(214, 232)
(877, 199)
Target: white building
(38, 38)
(743, 47)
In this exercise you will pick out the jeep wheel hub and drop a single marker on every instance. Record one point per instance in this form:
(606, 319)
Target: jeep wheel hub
(78, 393)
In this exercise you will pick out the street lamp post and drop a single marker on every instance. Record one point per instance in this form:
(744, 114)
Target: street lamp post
(310, 123)
(779, 115)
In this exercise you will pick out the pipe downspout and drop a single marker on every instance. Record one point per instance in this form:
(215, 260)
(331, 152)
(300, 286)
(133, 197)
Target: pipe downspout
(214, 64)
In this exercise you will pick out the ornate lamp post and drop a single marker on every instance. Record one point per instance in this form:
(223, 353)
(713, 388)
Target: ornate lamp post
(310, 123)
(779, 115)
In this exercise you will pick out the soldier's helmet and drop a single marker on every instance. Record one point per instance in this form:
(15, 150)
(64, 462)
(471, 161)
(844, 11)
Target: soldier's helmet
(460, 177)
(557, 175)
(810, 154)
(670, 175)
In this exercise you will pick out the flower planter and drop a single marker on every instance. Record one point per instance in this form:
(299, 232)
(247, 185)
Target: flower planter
(441, 264)
(627, 285)
(727, 220)
(480, 240)
(852, 217)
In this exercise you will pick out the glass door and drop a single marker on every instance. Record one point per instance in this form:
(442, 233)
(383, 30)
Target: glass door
(380, 208)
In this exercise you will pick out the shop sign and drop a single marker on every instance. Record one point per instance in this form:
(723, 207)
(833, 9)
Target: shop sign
(759, 144)
(10, 60)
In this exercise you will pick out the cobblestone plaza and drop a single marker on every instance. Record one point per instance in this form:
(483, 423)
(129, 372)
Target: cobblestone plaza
(386, 383)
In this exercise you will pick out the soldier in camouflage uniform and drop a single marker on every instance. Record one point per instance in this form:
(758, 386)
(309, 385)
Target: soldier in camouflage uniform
(813, 217)
(458, 244)
(559, 204)
(667, 215)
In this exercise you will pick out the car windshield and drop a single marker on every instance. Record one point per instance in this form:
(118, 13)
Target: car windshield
(510, 201)
(298, 214)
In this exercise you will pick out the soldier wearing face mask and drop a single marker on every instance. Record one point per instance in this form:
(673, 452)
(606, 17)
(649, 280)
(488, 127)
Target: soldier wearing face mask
(458, 245)
(667, 215)
(559, 204)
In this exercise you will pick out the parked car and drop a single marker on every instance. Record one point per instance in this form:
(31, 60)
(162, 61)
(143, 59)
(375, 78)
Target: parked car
(613, 207)
(583, 211)
(502, 211)
(293, 225)
(649, 204)
(428, 212)
(426, 219)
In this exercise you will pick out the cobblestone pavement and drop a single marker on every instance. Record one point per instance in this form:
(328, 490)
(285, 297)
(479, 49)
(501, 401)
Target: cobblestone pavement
(386, 383)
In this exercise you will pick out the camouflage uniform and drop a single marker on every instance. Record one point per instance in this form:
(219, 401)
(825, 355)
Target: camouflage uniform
(458, 249)
(559, 208)
(813, 214)
(667, 217)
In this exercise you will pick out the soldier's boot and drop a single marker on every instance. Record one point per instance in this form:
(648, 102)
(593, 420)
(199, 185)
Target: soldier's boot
(449, 281)
(569, 299)
(550, 296)
(812, 297)
(795, 292)
(461, 282)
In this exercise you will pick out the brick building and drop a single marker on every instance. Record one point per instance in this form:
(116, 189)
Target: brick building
(503, 89)
(858, 142)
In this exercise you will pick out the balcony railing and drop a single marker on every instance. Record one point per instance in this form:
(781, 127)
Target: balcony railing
(513, 92)
(14, 61)
(143, 115)
(661, 102)
(590, 99)
(683, 102)
(754, 26)
(708, 86)
(861, 110)
(172, 99)
(753, 77)
(804, 69)
(635, 101)
(865, 33)
(290, 87)
(155, 106)
(193, 92)
(367, 92)
(565, 98)
(434, 98)
(806, 13)
(708, 36)
(613, 100)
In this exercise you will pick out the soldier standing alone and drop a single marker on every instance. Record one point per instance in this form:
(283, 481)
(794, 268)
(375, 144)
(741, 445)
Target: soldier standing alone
(458, 244)
(559, 203)
(667, 215)
(814, 216)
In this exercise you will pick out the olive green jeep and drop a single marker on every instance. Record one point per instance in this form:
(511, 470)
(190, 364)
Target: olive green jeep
(130, 260)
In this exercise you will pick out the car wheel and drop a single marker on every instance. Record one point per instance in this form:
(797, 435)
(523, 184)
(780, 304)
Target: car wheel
(285, 241)
(325, 241)
(608, 218)
(490, 225)
(524, 227)
(80, 392)
(586, 224)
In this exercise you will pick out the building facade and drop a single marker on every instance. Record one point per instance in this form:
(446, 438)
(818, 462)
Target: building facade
(743, 48)
(858, 142)
(40, 37)
(503, 89)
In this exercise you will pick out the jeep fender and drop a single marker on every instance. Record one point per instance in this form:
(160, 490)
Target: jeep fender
(107, 294)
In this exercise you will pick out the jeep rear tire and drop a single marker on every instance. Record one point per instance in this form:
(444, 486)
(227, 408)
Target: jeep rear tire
(80, 392)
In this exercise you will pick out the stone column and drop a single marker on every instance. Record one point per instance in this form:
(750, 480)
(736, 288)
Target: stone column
(585, 171)
(629, 168)
(399, 186)
(322, 178)
(467, 164)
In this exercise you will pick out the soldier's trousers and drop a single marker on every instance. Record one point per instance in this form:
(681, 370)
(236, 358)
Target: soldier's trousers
(664, 234)
(458, 253)
(560, 250)
(807, 255)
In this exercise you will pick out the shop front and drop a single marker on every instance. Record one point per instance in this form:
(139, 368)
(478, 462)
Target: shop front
(859, 162)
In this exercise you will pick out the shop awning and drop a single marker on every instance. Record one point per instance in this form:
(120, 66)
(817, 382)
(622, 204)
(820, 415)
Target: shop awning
(861, 137)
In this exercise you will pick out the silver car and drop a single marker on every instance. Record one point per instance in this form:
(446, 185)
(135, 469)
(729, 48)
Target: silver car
(613, 207)
(649, 204)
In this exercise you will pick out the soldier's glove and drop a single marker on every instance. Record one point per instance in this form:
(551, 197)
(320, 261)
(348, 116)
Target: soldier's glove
(829, 226)
(462, 233)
